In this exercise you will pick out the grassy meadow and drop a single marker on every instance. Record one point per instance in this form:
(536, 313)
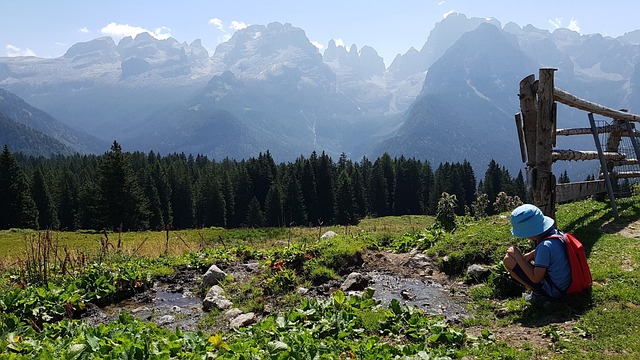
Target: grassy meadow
(602, 324)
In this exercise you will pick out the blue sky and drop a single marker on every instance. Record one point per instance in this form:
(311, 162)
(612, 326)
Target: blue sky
(47, 28)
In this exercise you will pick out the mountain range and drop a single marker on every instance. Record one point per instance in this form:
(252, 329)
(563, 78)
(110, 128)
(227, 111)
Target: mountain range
(270, 88)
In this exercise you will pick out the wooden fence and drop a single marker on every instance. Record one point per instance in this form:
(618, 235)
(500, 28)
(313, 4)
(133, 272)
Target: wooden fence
(537, 131)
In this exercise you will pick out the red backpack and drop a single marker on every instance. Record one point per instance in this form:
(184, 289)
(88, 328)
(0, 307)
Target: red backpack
(580, 273)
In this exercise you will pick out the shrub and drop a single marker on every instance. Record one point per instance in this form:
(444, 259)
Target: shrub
(445, 213)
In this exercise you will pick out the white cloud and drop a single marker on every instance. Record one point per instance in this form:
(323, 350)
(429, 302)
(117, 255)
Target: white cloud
(573, 25)
(339, 42)
(444, 16)
(13, 51)
(84, 29)
(226, 37)
(440, 3)
(124, 30)
(162, 33)
(556, 22)
(238, 25)
(217, 23)
(318, 45)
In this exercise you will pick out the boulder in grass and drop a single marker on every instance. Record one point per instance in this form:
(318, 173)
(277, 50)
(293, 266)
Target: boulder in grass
(355, 281)
(243, 320)
(328, 235)
(215, 299)
(213, 276)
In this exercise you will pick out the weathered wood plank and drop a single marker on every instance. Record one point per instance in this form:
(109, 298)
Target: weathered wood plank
(529, 115)
(626, 162)
(581, 155)
(523, 153)
(566, 98)
(579, 190)
(544, 190)
(625, 174)
(600, 129)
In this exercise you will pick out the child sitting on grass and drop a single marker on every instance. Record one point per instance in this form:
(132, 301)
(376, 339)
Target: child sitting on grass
(545, 270)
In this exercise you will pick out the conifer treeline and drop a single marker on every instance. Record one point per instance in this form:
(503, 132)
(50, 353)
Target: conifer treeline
(137, 191)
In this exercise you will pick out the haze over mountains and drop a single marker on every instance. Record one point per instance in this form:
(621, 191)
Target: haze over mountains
(269, 88)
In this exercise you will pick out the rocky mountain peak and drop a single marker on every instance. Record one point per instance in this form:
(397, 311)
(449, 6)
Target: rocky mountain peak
(100, 50)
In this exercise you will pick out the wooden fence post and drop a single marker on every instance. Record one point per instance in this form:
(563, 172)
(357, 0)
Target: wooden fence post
(545, 182)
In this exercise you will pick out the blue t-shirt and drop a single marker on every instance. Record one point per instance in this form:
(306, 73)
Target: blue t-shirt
(552, 255)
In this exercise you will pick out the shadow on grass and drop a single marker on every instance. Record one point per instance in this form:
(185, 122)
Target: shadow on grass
(541, 314)
(604, 220)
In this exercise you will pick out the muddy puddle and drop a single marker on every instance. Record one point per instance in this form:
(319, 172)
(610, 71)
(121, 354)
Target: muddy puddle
(431, 297)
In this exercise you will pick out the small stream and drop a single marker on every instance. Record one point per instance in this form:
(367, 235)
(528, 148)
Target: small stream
(431, 297)
(167, 305)
(173, 304)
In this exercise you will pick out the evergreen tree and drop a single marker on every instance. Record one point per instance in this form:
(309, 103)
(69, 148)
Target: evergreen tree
(426, 188)
(156, 220)
(407, 187)
(210, 205)
(47, 217)
(469, 184)
(325, 189)
(385, 162)
(255, 217)
(441, 184)
(359, 191)
(262, 172)
(160, 177)
(229, 200)
(182, 198)
(366, 168)
(345, 204)
(492, 184)
(68, 203)
(378, 192)
(17, 208)
(122, 200)
(89, 214)
(293, 204)
(564, 178)
(309, 192)
(243, 190)
(273, 207)
(520, 187)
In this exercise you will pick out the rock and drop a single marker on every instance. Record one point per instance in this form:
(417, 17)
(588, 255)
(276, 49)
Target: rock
(243, 320)
(407, 295)
(302, 291)
(252, 266)
(355, 281)
(420, 261)
(215, 290)
(231, 314)
(220, 303)
(329, 234)
(213, 276)
(166, 320)
(215, 299)
(140, 309)
(478, 272)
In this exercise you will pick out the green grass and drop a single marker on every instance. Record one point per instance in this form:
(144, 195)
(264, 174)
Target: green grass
(600, 325)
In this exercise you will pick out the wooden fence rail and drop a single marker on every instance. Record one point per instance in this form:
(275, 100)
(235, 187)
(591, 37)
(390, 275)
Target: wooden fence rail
(537, 130)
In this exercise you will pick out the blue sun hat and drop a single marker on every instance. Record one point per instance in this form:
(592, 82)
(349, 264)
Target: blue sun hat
(527, 220)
